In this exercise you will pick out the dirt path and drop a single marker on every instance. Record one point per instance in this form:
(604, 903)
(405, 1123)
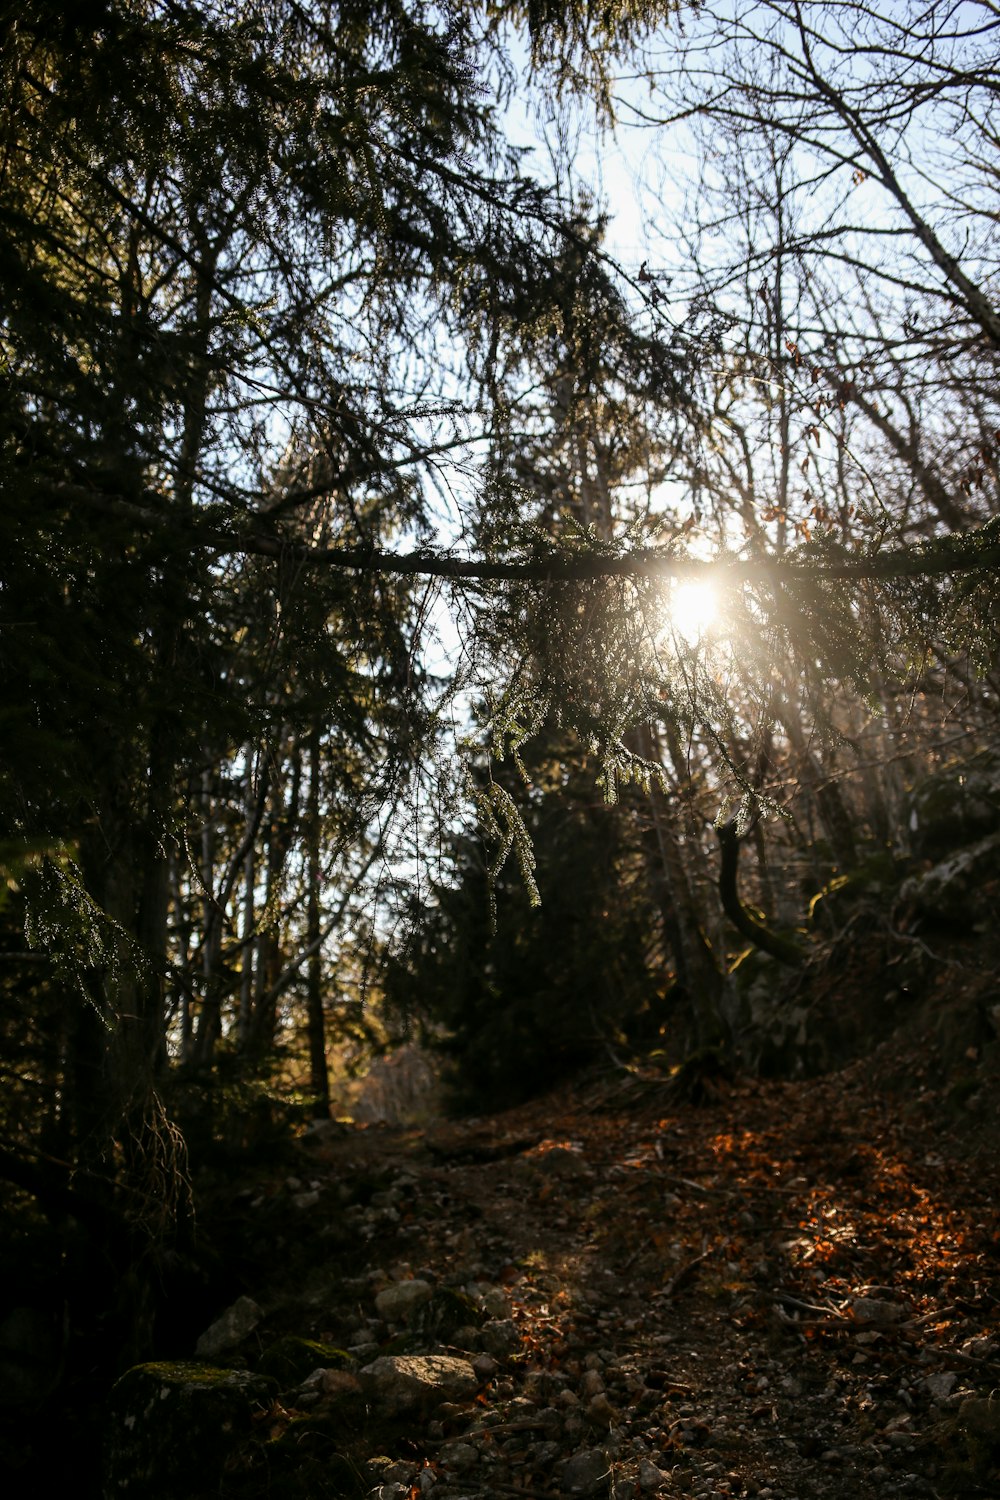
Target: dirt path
(789, 1290)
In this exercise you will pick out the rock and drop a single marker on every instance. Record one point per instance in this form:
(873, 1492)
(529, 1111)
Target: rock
(939, 1387)
(494, 1302)
(418, 1382)
(650, 1477)
(402, 1471)
(446, 1317)
(592, 1383)
(981, 1419)
(586, 1473)
(289, 1360)
(397, 1301)
(485, 1366)
(339, 1383)
(543, 1454)
(500, 1337)
(382, 1470)
(174, 1427)
(952, 889)
(364, 1349)
(957, 804)
(306, 1200)
(559, 1161)
(876, 1313)
(460, 1456)
(230, 1329)
(980, 1347)
(601, 1412)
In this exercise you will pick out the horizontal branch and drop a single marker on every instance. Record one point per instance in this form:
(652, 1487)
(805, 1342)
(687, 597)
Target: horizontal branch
(953, 553)
(964, 553)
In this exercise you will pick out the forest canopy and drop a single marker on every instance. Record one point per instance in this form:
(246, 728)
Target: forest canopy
(353, 479)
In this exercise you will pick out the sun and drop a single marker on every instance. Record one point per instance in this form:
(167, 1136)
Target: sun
(694, 610)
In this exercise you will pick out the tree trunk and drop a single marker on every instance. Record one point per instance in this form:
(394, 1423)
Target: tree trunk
(319, 1077)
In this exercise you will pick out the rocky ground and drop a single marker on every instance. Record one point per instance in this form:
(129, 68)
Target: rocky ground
(780, 1290)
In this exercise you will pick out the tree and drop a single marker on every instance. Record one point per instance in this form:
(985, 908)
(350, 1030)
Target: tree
(262, 267)
(525, 997)
(267, 269)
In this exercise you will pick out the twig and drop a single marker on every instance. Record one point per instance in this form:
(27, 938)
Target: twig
(788, 1301)
(523, 1424)
(684, 1274)
(945, 1356)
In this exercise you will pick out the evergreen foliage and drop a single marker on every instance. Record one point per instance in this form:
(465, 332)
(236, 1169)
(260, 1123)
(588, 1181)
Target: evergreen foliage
(524, 996)
(264, 267)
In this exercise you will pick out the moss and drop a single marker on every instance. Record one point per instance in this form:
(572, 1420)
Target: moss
(291, 1360)
(187, 1372)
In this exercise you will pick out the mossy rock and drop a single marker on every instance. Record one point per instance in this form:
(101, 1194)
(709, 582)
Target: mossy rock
(291, 1360)
(956, 805)
(176, 1427)
(955, 892)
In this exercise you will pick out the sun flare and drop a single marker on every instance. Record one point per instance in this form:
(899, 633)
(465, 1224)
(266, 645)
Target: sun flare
(694, 609)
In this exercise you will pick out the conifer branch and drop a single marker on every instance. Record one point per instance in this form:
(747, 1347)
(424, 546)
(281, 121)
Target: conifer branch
(976, 550)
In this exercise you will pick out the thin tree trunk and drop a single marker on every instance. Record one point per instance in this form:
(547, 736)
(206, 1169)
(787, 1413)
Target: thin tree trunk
(319, 1077)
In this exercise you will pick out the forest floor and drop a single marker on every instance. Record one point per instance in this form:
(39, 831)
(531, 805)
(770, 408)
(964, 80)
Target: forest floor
(784, 1289)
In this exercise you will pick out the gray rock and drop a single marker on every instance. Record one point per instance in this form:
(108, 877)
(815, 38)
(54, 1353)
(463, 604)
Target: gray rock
(485, 1366)
(543, 1454)
(586, 1473)
(402, 1471)
(650, 1477)
(952, 888)
(500, 1337)
(230, 1329)
(494, 1302)
(876, 1313)
(957, 804)
(417, 1382)
(981, 1346)
(460, 1456)
(397, 1301)
(940, 1386)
